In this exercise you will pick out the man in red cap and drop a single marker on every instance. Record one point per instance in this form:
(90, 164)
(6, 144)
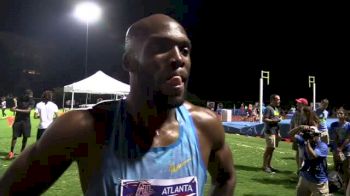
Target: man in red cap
(298, 119)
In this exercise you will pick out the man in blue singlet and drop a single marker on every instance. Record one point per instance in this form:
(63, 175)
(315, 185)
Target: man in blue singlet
(151, 143)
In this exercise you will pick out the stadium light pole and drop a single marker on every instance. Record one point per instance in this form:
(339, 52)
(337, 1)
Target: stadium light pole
(87, 12)
(312, 81)
(264, 75)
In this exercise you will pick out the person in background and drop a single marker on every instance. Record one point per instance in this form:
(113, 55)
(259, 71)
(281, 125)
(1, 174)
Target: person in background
(99, 100)
(322, 114)
(46, 111)
(340, 145)
(22, 125)
(298, 119)
(271, 118)
(3, 106)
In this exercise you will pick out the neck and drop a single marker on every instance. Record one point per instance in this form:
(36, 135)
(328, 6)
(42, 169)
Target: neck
(342, 121)
(147, 112)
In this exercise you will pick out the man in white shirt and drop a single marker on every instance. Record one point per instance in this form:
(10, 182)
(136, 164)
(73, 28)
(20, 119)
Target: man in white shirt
(47, 111)
(3, 106)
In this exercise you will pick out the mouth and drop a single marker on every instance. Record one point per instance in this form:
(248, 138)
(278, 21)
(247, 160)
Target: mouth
(175, 81)
(174, 85)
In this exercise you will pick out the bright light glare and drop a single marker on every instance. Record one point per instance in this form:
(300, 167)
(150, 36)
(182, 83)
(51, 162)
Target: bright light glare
(87, 12)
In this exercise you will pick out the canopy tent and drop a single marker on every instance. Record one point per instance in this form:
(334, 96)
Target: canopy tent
(98, 83)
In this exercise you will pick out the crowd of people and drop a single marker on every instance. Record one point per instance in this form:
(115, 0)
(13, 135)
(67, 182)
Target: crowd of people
(311, 142)
(45, 111)
(157, 140)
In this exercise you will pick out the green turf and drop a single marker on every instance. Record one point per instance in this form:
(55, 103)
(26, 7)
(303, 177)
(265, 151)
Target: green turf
(247, 151)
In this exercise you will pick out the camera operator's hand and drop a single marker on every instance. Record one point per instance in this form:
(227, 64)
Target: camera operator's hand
(305, 127)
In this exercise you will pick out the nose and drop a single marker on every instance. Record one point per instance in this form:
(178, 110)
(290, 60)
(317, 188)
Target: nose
(176, 60)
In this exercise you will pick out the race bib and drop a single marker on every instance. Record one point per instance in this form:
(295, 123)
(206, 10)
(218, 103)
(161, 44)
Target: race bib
(179, 186)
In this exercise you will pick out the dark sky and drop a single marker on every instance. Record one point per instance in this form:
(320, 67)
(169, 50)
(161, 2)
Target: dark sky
(232, 43)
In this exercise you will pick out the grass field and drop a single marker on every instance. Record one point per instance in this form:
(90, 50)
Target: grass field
(247, 151)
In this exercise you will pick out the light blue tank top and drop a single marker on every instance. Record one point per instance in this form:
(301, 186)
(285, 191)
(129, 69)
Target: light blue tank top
(124, 160)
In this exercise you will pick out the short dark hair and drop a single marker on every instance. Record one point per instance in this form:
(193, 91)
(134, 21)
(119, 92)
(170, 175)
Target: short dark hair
(28, 92)
(47, 95)
(325, 101)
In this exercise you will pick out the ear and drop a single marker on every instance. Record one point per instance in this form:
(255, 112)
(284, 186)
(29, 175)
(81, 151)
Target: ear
(129, 62)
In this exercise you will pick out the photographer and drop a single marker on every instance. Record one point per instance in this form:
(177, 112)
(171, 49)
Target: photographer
(313, 173)
(313, 178)
(309, 119)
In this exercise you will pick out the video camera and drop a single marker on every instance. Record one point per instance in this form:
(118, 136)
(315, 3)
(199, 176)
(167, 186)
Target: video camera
(309, 134)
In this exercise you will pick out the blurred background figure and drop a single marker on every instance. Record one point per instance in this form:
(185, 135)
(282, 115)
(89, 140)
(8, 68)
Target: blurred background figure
(47, 111)
(322, 114)
(340, 145)
(3, 106)
(298, 119)
(22, 125)
(99, 100)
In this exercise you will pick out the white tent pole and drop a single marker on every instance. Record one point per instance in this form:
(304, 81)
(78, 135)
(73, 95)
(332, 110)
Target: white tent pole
(72, 101)
(64, 95)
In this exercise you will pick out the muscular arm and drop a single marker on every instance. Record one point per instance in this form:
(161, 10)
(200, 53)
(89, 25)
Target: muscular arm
(222, 171)
(40, 165)
(220, 160)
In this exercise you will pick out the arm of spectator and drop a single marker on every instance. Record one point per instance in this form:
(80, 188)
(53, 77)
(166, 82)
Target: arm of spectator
(295, 130)
(320, 150)
(346, 141)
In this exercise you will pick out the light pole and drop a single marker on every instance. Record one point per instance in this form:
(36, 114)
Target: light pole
(264, 75)
(87, 12)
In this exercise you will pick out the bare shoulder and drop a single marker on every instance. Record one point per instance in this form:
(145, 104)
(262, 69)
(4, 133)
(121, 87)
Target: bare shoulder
(207, 123)
(80, 127)
(200, 114)
(67, 132)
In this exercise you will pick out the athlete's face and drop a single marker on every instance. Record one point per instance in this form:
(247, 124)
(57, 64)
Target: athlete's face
(165, 63)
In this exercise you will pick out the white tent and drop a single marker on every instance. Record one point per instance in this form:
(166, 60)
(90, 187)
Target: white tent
(98, 83)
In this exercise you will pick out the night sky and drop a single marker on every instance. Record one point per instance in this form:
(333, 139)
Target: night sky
(232, 43)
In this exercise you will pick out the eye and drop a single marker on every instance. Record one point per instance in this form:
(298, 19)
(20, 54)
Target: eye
(185, 51)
